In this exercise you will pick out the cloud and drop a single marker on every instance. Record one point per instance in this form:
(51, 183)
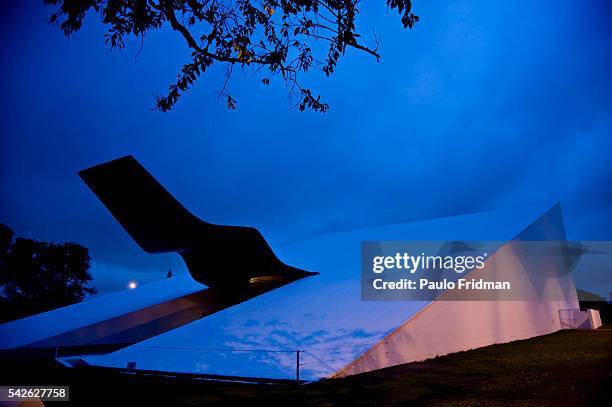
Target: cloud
(465, 112)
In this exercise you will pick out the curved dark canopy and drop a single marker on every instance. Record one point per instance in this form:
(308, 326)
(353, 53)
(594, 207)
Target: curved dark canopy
(216, 255)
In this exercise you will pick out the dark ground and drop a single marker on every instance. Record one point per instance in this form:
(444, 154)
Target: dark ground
(564, 368)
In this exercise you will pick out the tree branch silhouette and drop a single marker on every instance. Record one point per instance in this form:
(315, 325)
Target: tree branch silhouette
(282, 36)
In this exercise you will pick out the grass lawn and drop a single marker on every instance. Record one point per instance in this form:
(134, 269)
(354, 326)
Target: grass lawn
(564, 368)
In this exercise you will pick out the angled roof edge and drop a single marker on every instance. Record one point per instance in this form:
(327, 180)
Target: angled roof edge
(553, 211)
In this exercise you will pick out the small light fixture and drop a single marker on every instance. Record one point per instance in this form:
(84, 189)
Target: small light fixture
(132, 285)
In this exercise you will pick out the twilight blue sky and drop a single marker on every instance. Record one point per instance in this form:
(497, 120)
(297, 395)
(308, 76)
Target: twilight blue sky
(483, 105)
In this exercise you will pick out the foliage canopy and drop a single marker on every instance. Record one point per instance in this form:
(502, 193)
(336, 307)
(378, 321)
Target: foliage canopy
(38, 276)
(274, 36)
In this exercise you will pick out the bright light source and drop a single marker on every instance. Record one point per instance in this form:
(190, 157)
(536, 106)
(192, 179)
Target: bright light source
(132, 284)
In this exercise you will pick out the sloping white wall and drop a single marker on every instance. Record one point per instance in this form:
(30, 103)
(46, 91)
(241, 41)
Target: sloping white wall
(446, 326)
(453, 326)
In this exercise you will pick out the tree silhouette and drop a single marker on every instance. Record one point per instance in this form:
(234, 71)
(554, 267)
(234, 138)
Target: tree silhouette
(38, 276)
(284, 37)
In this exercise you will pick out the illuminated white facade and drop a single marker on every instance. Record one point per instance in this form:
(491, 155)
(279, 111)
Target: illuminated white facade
(323, 316)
